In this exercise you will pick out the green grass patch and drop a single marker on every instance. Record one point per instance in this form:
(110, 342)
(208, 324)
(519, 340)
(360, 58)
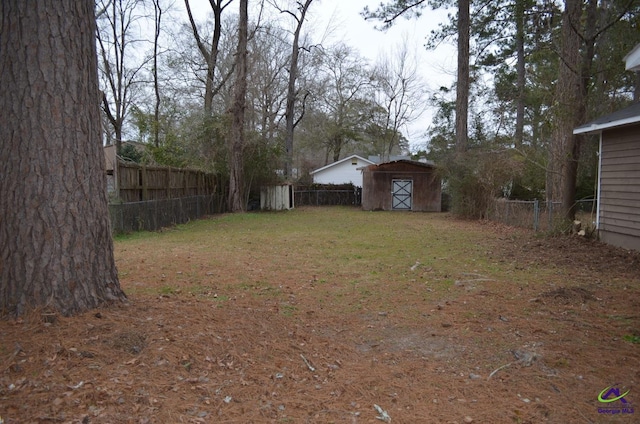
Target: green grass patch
(632, 338)
(167, 290)
(337, 256)
(288, 310)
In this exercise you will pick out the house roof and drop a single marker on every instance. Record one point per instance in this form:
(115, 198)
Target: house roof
(339, 162)
(626, 116)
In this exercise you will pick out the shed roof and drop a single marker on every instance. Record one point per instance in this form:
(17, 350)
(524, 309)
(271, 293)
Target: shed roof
(376, 166)
(427, 164)
(626, 116)
(339, 162)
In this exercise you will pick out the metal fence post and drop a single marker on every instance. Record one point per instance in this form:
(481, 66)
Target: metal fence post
(506, 214)
(536, 214)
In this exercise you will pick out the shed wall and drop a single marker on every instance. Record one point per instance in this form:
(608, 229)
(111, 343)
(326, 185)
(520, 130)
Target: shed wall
(619, 214)
(276, 198)
(377, 186)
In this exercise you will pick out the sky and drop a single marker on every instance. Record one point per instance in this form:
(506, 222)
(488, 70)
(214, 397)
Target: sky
(437, 68)
(333, 21)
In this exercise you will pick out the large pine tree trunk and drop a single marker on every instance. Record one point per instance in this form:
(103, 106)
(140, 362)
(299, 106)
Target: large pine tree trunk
(569, 96)
(56, 250)
(520, 10)
(463, 83)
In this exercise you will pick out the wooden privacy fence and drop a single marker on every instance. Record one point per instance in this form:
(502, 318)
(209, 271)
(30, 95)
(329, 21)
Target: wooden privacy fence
(137, 183)
(152, 197)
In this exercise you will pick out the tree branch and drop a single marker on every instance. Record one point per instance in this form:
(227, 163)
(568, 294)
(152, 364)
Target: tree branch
(388, 13)
(304, 104)
(194, 28)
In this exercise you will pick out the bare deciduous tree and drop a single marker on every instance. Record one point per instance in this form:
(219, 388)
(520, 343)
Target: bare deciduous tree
(347, 80)
(236, 197)
(400, 93)
(292, 92)
(157, 12)
(209, 51)
(119, 66)
(269, 58)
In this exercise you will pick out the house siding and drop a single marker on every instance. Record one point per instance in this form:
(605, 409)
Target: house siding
(343, 172)
(619, 214)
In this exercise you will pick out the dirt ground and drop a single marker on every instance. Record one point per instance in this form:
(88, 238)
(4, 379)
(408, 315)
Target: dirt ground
(482, 353)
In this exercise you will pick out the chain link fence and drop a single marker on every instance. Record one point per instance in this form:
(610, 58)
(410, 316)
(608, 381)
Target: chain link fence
(153, 215)
(539, 216)
(328, 195)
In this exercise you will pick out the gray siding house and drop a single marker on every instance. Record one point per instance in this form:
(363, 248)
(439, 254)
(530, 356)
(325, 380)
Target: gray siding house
(618, 210)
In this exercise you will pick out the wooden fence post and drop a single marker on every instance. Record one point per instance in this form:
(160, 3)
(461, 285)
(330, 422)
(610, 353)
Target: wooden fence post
(168, 182)
(185, 183)
(144, 176)
(116, 178)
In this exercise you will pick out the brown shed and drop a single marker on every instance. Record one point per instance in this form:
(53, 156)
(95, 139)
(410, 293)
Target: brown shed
(401, 185)
(618, 210)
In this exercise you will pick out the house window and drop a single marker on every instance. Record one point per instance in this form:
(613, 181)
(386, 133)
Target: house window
(354, 161)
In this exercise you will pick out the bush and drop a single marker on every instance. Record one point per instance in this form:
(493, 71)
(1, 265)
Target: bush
(475, 178)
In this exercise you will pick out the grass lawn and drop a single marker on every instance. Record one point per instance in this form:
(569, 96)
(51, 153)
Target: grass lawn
(322, 315)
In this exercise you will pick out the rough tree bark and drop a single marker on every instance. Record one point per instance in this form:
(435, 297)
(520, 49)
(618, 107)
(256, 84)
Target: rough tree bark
(521, 71)
(463, 83)
(583, 23)
(56, 250)
(570, 104)
(236, 198)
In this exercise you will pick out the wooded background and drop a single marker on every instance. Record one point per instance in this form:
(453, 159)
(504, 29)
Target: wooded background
(528, 72)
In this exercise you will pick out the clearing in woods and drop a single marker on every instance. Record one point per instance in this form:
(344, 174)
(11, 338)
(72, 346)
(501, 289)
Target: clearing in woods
(322, 315)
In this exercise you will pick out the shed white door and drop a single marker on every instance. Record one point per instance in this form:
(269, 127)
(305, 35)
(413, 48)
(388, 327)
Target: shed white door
(401, 194)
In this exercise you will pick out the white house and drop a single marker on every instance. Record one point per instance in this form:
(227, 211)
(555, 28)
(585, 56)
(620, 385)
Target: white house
(344, 171)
